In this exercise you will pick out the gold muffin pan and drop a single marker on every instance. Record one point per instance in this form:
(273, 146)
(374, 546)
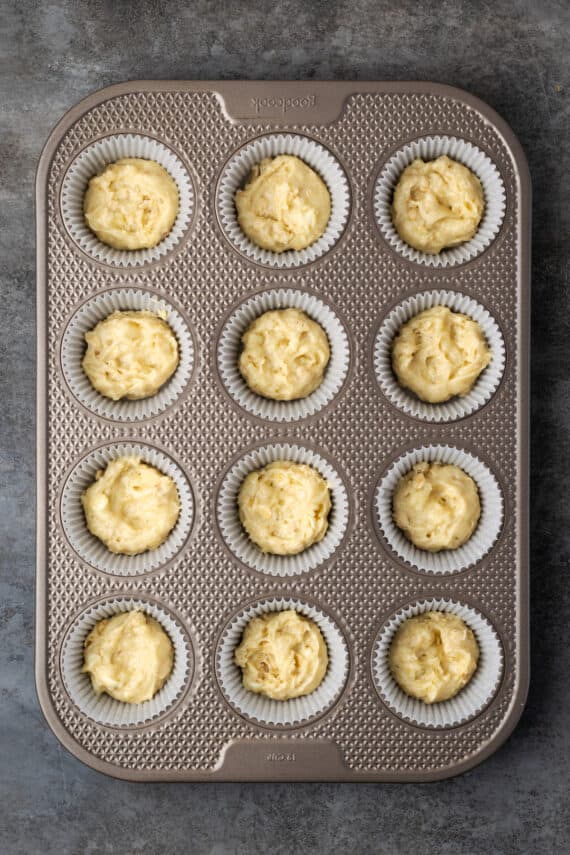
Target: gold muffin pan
(206, 579)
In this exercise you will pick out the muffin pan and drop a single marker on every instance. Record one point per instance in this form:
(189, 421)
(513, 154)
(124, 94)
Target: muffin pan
(207, 429)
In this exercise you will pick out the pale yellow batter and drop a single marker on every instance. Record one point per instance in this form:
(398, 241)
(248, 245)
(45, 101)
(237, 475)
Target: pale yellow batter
(132, 204)
(131, 506)
(130, 355)
(284, 205)
(437, 506)
(437, 204)
(433, 656)
(284, 355)
(439, 354)
(284, 507)
(128, 656)
(282, 655)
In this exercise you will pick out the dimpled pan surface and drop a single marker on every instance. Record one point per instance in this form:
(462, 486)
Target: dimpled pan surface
(200, 583)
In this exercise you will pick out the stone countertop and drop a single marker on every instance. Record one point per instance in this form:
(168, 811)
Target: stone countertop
(514, 56)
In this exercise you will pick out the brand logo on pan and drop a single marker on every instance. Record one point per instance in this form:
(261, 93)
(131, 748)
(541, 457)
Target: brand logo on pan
(283, 105)
(275, 757)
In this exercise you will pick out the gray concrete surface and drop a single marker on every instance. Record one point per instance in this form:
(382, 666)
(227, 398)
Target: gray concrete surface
(513, 55)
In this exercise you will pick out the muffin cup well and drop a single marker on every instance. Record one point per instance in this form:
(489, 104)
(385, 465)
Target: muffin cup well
(296, 711)
(430, 148)
(229, 349)
(457, 407)
(92, 161)
(471, 700)
(237, 539)
(73, 347)
(103, 708)
(92, 550)
(447, 560)
(315, 155)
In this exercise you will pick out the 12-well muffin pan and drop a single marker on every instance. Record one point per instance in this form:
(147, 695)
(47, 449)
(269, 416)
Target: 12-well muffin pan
(208, 430)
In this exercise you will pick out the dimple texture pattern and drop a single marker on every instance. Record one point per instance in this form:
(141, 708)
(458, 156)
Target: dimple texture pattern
(362, 277)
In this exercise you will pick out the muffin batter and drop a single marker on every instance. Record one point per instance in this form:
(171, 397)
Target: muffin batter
(130, 355)
(437, 204)
(285, 204)
(128, 656)
(439, 354)
(131, 506)
(437, 506)
(282, 655)
(284, 507)
(433, 656)
(284, 355)
(132, 204)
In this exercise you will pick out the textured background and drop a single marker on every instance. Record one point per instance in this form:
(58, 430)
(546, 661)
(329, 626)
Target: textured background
(514, 56)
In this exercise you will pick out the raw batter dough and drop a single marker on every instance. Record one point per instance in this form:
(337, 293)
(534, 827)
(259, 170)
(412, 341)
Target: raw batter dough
(131, 506)
(284, 507)
(437, 506)
(284, 355)
(433, 656)
(128, 656)
(437, 204)
(282, 655)
(132, 204)
(285, 204)
(130, 355)
(439, 354)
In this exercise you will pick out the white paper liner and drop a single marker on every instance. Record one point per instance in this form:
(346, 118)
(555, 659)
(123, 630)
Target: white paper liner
(229, 349)
(457, 407)
(430, 148)
(103, 708)
(237, 538)
(92, 161)
(90, 548)
(482, 539)
(265, 710)
(235, 175)
(471, 700)
(73, 347)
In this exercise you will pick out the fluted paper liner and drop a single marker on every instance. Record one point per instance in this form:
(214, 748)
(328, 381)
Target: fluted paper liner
(265, 710)
(471, 700)
(73, 349)
(239, 541)
(482, 539)
(92, 161)
(90, 548)
(459, 406)
(315, 155)
(103, 708)
(430, 148)
(230, 346)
